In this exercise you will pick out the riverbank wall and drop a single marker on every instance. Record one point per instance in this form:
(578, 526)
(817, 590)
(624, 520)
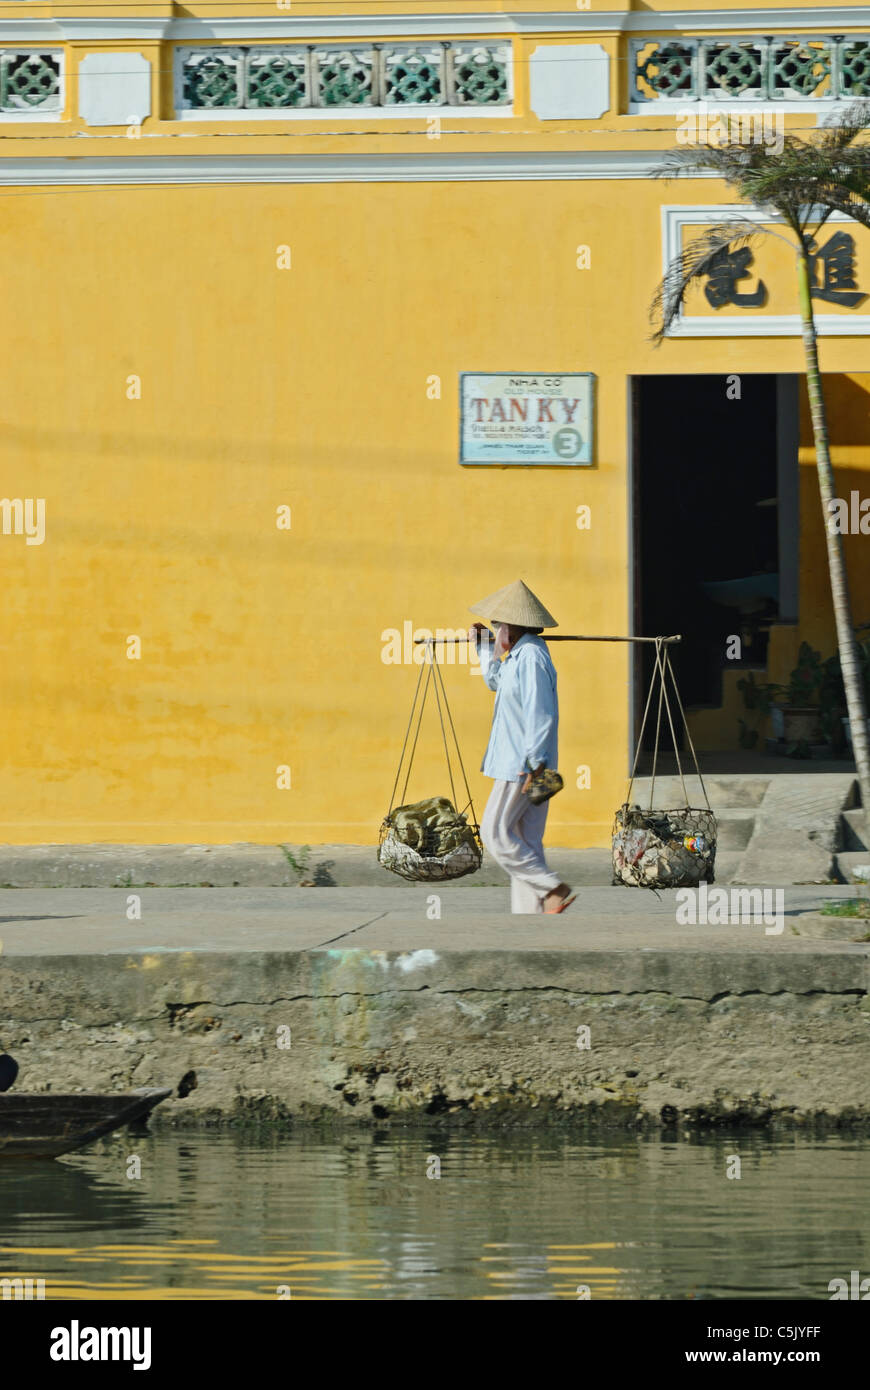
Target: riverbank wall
(640, 1036)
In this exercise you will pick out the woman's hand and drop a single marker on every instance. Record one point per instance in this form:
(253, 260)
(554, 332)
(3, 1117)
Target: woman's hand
(475, 632)
(530, 777)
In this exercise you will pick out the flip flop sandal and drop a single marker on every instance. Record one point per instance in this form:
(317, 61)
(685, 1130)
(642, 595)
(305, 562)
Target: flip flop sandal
(566, 902)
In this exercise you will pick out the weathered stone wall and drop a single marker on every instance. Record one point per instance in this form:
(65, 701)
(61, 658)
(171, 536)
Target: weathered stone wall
(673, 1036)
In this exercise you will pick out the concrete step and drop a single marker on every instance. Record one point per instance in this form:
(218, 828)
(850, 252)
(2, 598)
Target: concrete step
(798, 829)
(735, 827)
(850, 860)
(726, 864)
(725, 790)
(854, 830)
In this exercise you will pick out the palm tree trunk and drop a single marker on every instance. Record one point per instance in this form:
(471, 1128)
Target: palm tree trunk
(852, 677)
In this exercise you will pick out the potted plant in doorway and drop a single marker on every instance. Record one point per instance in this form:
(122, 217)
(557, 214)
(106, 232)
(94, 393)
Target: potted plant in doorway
(796, 710)
(833, 687)
(800, 706)
(758, 696)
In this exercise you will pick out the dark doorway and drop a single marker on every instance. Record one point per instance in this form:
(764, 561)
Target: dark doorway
(707, 548)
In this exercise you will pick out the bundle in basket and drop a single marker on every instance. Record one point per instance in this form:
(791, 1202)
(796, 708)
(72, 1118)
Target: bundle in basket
(664, 849)
(429, 841)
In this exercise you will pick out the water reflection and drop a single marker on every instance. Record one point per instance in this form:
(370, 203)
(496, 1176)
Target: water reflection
(529, 1215)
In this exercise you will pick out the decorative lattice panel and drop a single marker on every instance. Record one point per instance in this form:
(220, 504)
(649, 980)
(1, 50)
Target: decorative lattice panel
(345, 76)
(332, 75)
(30, 81)
(213, 78)
(664, 70)
(855, 68)
(800, 68)
(276, 79)
(733, 69)
(479, 75)
(744, 69)
(414, 76)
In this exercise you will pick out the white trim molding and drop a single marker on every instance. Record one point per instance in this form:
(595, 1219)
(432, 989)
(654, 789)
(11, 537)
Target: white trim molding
(361, 114)
(537, 166)
(676, 217)
(839, 18)
(823, 108)
(151, 29)
(65, 30)
(820, 17)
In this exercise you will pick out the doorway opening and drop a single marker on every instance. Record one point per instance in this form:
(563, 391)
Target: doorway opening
(714, 491)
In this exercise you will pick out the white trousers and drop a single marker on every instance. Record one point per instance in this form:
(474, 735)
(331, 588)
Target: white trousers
(513, 832)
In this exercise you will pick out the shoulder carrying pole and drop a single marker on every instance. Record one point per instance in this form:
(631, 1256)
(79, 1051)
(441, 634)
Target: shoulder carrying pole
(663, 641)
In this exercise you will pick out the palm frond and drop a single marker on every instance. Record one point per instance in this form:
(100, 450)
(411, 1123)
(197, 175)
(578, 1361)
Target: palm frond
(837, 181)
(724, 160)
(739, 165)
(755, 173)
(693, 263)
(840, 131)
(841, 200)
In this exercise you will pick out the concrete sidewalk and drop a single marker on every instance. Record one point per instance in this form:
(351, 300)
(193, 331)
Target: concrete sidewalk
(89, 921)
(243, 866)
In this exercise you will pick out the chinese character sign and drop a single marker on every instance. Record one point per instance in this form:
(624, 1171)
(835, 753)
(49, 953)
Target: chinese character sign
(726, 268)
(833, 264)
(837, 261)
(526, 418)
(749, 288)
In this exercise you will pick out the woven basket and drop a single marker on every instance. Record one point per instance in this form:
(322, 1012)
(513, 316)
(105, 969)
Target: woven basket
(428, 861)
(429, 841)
(649, 849)
(409, 863)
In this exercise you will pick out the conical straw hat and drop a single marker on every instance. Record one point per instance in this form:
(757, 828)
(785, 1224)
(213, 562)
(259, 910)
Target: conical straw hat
(515, 604)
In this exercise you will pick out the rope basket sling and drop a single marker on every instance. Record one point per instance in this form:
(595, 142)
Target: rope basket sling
(430, 841)
(664, 848)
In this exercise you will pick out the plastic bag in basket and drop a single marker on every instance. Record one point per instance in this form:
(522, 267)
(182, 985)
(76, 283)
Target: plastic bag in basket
(663, 849)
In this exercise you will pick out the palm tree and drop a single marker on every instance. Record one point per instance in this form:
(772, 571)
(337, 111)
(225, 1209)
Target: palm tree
(803, 184)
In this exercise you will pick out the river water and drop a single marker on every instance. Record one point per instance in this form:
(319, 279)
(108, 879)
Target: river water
(513, 1215)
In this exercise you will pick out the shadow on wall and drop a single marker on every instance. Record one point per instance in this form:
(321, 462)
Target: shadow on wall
(848, 402)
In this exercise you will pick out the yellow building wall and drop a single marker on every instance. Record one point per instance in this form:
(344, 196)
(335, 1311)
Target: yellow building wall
(259, 388)
(305, 387)
(264, 387)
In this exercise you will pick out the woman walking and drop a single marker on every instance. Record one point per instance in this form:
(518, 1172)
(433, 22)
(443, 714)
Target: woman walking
(523, 741)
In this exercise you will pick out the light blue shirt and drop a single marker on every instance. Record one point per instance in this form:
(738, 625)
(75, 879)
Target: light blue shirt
(525, 721)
